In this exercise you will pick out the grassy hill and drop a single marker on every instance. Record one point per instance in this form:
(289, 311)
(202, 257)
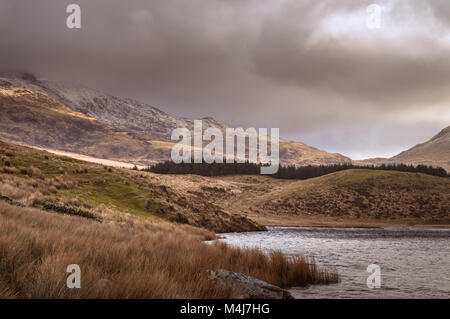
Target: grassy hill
(347, 198)
(222, 204)
(377, 196)
(40, 179)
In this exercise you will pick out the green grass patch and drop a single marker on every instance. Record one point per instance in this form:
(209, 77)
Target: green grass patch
(95, 184)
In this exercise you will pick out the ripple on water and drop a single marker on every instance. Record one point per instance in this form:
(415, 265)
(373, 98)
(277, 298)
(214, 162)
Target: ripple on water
(415, 262)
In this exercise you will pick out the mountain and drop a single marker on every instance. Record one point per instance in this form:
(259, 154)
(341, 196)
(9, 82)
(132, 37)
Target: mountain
(435, 152)
(85, 121)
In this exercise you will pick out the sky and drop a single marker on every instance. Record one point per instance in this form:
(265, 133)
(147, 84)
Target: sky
(314, 69)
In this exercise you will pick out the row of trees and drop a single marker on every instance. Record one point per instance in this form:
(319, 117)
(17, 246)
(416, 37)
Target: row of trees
(284, 172)
(205, 169)
(305, 172)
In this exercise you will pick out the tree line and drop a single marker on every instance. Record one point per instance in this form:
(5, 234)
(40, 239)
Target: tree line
(284, 172)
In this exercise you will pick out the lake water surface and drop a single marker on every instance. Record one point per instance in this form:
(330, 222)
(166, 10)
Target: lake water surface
(414, 262)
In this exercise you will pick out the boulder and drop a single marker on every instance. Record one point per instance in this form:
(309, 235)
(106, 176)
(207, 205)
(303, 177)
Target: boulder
(248, 287)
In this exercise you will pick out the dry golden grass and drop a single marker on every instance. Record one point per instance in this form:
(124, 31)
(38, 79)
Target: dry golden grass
(35, 172)
(351, 198)
(127, 257)
(20, 190)
(8, 170)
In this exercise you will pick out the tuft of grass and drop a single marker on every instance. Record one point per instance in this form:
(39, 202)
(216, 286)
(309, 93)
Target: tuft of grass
(35, 172)
(6, 161)
(9, 170)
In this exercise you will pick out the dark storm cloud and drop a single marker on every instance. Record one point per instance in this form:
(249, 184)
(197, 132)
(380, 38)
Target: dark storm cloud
(441, 10)
(311, 68)
(392, 73)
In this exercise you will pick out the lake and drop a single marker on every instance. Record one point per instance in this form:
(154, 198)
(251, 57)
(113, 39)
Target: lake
(414, 262)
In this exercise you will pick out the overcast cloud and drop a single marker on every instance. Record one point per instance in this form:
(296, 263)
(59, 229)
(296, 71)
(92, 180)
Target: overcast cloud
(311, 68)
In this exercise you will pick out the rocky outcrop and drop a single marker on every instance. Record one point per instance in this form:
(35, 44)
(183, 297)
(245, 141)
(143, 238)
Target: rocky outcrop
(248, 287)
(11, 201)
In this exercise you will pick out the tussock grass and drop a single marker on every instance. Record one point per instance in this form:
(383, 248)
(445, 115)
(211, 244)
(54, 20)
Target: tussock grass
(34, 172)
(127, 257)
(19, 189)
(8, 170)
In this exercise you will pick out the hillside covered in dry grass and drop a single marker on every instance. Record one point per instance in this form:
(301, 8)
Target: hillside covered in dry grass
(356, 198)
(43, 180)
(224, 204)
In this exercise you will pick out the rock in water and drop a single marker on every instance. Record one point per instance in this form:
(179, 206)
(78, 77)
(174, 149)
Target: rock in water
(248, 287)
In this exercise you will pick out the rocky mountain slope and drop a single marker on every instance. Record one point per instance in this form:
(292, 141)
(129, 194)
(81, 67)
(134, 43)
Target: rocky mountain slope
(85, 121)
(434, 152)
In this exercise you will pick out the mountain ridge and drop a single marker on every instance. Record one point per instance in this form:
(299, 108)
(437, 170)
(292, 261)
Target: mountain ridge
(116, 128)
(434, 152)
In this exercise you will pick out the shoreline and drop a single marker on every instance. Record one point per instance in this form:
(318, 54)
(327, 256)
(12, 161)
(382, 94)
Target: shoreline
(366, 226)
(435, 226)
(363, 226)
(327, 222)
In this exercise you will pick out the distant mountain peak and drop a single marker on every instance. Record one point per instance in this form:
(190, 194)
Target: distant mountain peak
(434, 152)
(442, 134)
